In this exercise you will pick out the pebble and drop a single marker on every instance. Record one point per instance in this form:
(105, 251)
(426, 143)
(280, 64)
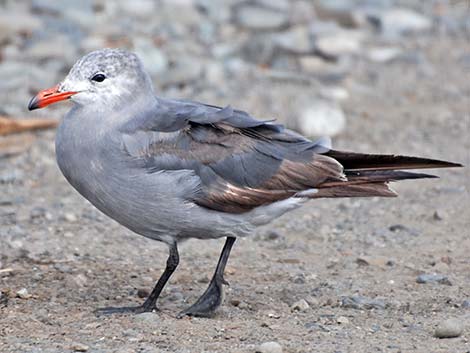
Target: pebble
(340, 42)
(383, 54)
(399, 21)
(79, 347)
(433, 278)
(23, 294)
(296, 40)
(147, 318)
(269, 347)
(300, 305)
(466, 304)
(449, 328)
(342, 320)
(260, 18)
(70, 217)
(322, 118)
(360, 303)
(341, 11)
(143, 292)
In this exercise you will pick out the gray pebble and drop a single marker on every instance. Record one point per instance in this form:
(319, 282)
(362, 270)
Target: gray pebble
(300, 305)
(269, 347)
(260, 18)
(360, 303)
(433, 278)
(147, 318)
(449, 328)
(398, 21)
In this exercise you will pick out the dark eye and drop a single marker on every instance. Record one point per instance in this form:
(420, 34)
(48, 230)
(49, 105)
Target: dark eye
(98, 78)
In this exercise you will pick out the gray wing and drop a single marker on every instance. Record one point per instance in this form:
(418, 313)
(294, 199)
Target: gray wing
(242, 162)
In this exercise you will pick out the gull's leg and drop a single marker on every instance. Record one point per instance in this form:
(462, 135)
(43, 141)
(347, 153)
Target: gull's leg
(208, 303)
(150, 303)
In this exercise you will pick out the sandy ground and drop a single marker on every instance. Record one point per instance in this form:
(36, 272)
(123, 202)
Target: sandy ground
(72, 260)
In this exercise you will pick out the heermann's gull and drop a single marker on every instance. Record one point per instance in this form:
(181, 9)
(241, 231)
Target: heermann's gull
(173, 169)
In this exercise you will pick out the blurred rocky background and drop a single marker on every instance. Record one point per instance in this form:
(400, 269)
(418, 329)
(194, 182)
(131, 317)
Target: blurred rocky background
(260, 55)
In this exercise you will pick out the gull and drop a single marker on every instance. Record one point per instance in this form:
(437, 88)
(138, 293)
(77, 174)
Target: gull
(172, 169)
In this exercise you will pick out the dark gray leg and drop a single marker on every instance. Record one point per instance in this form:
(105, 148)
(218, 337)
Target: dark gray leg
(208, 303)
(150, 303)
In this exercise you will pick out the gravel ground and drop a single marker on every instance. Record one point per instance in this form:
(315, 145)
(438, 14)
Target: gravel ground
(362, 275)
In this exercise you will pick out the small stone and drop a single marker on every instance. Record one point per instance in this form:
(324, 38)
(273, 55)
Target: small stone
(449, 328)
(176, 296)
(339, 42)
(142, 292)
(269, 347)
(466, 304)
(360, 303)
(334, 93)
(340, 11)
(300, 305)
(437, 216)
(312, 301)
(147, 318)
(383, 54)
(322, 118)
(296, 40)
(70, 217)
(3, 299)
(433, 278)
(79, 347)
(342, 320)
(373, 261)
(398, 21)
(235, 302)
(260, 18)
(23, 294)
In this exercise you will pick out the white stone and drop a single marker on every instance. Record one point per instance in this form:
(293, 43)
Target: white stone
(296, 40)
(269, 347)
(322, 118)
(401, 20)
(340, 42)
(383, 54)
(449, 328)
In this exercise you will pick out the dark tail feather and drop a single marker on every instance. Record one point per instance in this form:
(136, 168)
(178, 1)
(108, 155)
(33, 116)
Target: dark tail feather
(360, 161)
(369, 174)
(375, 176)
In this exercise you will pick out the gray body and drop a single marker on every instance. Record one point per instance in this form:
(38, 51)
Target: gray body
(101, 159)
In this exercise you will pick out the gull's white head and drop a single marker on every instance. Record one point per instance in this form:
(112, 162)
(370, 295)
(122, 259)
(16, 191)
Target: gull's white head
(103, 78)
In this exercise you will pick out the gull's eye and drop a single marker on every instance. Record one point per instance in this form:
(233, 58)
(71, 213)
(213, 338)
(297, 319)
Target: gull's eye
(98, 78)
